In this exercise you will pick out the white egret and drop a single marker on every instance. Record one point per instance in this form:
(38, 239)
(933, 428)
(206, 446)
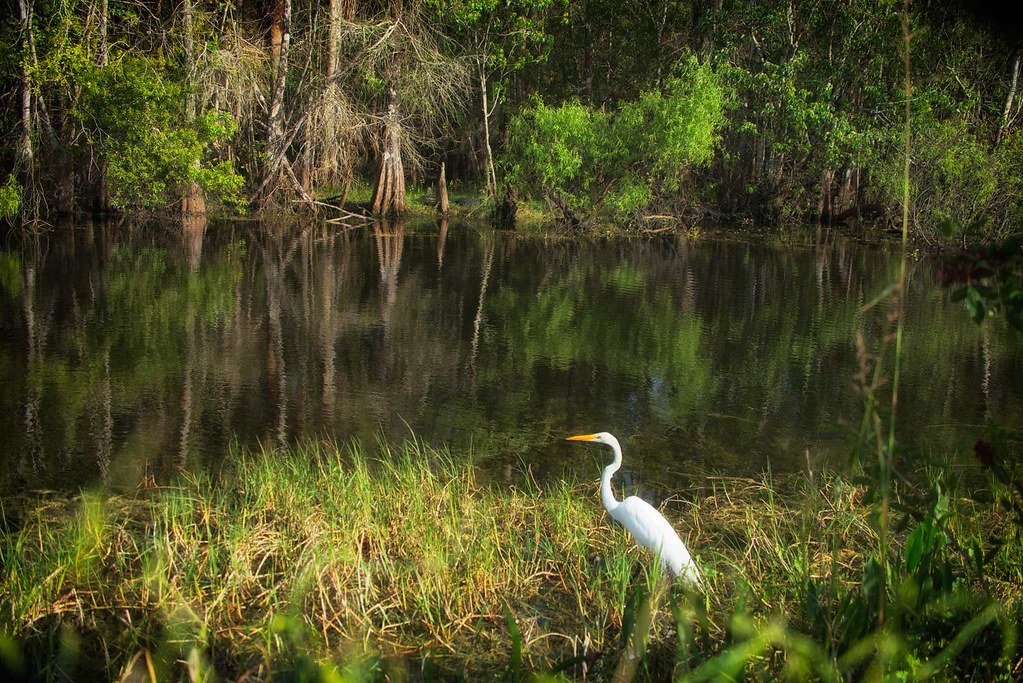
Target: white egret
(648, 526)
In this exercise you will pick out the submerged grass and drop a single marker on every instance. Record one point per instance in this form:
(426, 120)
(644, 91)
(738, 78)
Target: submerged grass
(328, 559)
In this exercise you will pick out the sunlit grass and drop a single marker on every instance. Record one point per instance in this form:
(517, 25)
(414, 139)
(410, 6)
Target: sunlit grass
(403, 553)
(320, 558)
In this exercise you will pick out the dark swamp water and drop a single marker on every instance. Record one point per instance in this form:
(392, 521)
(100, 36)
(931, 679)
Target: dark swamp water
(127, 352)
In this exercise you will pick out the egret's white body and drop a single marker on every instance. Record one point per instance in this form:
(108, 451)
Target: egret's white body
(648, 526)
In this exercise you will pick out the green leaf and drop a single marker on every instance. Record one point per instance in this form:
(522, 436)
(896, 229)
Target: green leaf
(914, 549)
(515, 663)
(977, 553)
(566, 664)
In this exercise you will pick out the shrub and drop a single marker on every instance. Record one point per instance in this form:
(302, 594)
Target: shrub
(959, 179)
(555, 152)
(624, 161)
(134, 114)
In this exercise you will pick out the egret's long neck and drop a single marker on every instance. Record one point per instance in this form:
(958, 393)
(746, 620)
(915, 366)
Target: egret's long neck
(607, 494)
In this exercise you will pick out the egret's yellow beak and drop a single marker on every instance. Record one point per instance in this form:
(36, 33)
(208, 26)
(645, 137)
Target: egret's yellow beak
(582, 437)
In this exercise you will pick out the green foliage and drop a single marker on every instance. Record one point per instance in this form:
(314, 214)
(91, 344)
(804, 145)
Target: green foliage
(685, 118)
(1005, 207)
(987, 278)
(508, 34)
(673, 129)
(220, 180)
(556, 151)
(556, 146)
(135, 114)
(807, 99)
(956, 178)
(10, 198)
(625, 160)
(629, 196)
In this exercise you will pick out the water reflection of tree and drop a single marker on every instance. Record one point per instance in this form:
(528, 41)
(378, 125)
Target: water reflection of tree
(193, 230)
(136, 353)
(442, 238)
(488, 240)
(34, 450)
(389, 237)
(277, 256)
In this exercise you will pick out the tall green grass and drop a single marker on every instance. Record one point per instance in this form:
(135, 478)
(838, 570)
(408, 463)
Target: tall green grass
(403, 554)
(324, 562)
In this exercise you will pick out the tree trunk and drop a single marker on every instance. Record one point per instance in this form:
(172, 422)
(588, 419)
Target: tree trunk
(1010, 100)
(340, 11)
(25, 155)
(588, 65)
(25, 166)
(442, 192)
(826, 200)
(193, 200)
(35, 120)
(277, 31)
(102, 54)
(505, 212)
(847, 192)
(306, 179)
(280, 38)
(389, 195)
(487, 151)
(99, 189)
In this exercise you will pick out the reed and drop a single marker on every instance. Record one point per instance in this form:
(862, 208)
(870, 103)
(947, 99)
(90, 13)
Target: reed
(324, 559)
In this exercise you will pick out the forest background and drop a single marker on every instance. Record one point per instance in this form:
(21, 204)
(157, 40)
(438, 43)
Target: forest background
(597, 110)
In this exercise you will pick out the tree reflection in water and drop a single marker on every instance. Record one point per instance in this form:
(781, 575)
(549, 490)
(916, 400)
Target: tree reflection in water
(128, 350)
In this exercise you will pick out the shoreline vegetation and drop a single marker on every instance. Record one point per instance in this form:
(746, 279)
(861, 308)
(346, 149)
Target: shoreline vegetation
(328, 562)
(767, 113)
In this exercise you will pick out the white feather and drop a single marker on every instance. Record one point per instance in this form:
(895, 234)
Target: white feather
(648, 526)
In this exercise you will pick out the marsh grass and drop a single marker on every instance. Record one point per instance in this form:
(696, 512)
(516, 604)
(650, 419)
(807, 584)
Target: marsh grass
(323, 560)
(400, 554)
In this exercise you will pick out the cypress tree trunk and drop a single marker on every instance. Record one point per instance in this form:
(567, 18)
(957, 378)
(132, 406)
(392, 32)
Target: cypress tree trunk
(389, 195)
(32, 146)
(825, 200)
(280, 39)
(442, 191)
(334, 20)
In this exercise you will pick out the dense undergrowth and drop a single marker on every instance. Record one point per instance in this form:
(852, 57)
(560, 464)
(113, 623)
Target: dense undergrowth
(335, 563)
